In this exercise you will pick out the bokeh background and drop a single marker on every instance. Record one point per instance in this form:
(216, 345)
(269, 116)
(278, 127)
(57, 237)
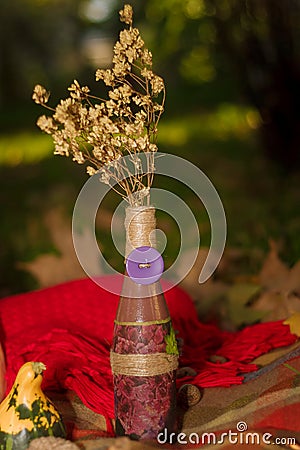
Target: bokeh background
(232, 72)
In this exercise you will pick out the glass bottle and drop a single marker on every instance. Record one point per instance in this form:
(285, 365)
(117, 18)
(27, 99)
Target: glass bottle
(144, 355)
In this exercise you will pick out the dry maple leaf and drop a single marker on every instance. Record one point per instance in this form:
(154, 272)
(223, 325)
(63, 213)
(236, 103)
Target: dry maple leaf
(294, 322)
(281, 295)
(274, 272)
(51, 269)
(274, 294)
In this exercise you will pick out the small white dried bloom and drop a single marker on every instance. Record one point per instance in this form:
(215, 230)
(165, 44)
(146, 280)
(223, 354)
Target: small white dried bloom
(142, 100)
(83, 117)
(150, 160)
(129, 143)
(116, 142)
(126, 14)
(158, 107)
(62, 149)
(98, 153)
(111, 107)
(138, 41)
(78, 157)
(104, 176)
(144, 192)
(131, 54)
(46, 124)
(139, 127)
(106, 125)
(114, 95)
(111, 154)
(122, 93)
(126, 38)
(91, 171)
(118, 52)
(120, 67)
(142, 142)
(153, 148)
(62, 111)
(130, 129)
(136, 160)
(157, 85)
(146, 57)
(106, 75)
(99, 75)
(77, 91)
(146, 73)
(70, 128)
(115, 163)
(40, 95)
(94, 113)
(141, 116)
(137, 198)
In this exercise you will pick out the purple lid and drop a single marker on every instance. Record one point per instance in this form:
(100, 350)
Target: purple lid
(145, 265)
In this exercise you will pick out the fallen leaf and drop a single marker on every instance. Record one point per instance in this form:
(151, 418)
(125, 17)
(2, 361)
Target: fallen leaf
(294, 323)
(274, 272)
(207, 296)
(292, 282)
(240, 315)
(280, 297)
(51, 269)
(239, 297)
(273, 304)
(242, 293)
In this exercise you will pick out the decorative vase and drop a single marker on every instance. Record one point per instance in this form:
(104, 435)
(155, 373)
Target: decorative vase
(144, 355)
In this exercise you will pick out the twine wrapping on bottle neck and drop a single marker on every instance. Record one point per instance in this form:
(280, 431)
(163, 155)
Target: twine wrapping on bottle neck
(139, 223)
(143, 365)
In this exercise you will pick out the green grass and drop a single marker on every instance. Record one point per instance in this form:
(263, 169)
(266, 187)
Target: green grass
(24, 148)
(226, 122)
(260, 202)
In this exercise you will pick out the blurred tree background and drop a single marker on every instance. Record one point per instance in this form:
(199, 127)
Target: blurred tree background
(232, 70)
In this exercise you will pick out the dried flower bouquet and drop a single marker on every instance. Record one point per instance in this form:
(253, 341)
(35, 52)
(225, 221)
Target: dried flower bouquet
(101, 131)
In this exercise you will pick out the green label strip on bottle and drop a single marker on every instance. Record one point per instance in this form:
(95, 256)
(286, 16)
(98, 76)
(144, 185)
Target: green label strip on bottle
(149, 322)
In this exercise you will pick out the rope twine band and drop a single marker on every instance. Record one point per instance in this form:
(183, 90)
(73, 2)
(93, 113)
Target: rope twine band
(139, 223)
(138, 365)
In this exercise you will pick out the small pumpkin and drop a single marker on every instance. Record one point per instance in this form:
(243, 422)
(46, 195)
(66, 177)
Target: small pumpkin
(26, 413)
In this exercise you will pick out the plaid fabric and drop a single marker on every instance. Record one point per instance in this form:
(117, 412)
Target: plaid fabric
(268, 403)
(69, 327)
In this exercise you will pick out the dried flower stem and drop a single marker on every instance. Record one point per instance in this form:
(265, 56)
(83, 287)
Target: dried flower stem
(100, 132)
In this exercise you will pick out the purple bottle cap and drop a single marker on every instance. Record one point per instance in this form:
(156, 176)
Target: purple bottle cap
(144, 265)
